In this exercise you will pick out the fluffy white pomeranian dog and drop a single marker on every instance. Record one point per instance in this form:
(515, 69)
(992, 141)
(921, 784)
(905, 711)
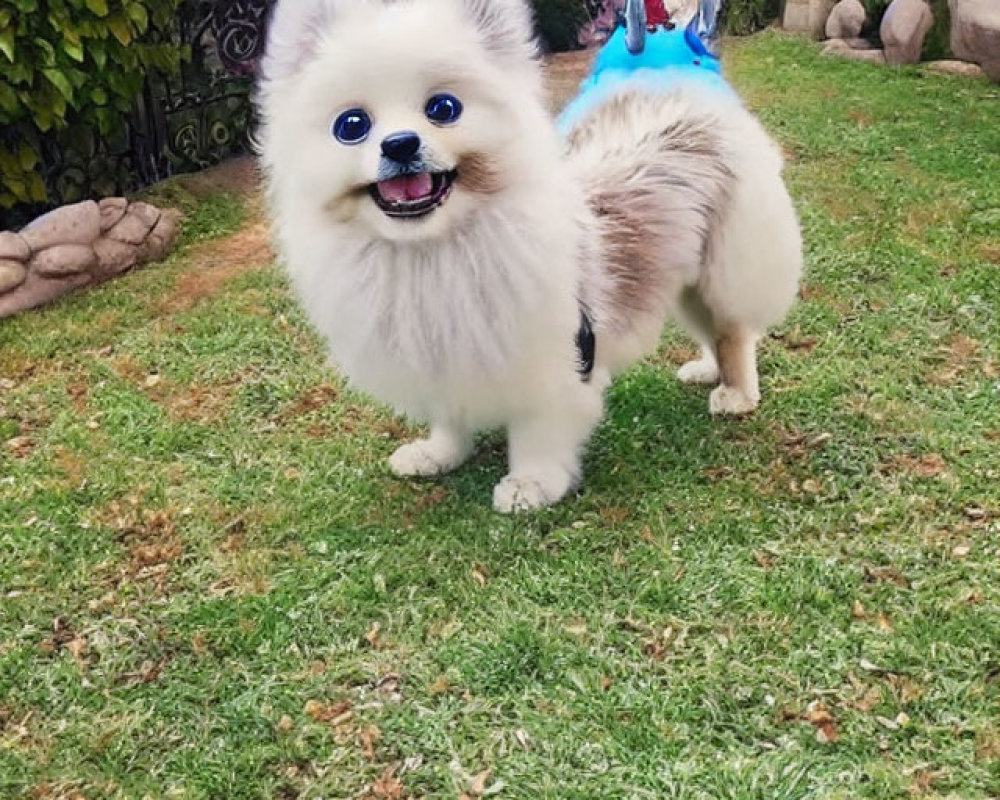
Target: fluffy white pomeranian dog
(475, 268)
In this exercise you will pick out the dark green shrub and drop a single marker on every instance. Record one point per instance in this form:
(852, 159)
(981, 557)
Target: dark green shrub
(740, 17)
(69, 68)
(559, 22)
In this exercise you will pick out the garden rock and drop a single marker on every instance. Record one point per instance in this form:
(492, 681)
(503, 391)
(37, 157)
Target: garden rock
(847, 20)
(138, 221)
(844, 49)
(819, 13)
(79, 223)
(64, 259)
(950, 66)
(161, 237)
(796, 17)
(903, 30)
(37, 291)
(14, 247)
(975, 33)
(12, 275)
(80, 245)
(114, 258)
(112, 210)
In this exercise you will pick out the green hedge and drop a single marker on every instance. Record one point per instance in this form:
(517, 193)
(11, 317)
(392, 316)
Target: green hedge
(68, 67)
(742, 17)
(559, 22)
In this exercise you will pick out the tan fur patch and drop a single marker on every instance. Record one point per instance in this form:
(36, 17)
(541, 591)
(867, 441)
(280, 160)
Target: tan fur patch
(735, 364)
(659, 184)
(479, 173)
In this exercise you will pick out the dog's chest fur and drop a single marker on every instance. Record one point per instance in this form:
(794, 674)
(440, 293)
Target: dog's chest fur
(466, 307)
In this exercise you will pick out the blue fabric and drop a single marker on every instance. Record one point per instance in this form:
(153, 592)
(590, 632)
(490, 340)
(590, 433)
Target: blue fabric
(670, 57)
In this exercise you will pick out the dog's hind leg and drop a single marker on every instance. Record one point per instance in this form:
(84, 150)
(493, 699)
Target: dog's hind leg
(444, 450)
(739, 392)
(696, 317)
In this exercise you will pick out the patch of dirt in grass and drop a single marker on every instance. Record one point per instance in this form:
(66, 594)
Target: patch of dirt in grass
(313, 399)
(205, 404)
(991, 253)
(673, 357)
(213, 265)
(149, 535)
(961, 357)
(929, 465)
(922, 217)
(861, 118)
(72, 466)
(988, 744)
(563, 74)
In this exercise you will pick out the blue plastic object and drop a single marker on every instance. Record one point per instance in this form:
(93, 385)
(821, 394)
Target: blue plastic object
(670, 57)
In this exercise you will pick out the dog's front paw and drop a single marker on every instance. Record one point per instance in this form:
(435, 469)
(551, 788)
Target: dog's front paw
(704, 371)
(733, 401)
(424, 459)
(529, 492)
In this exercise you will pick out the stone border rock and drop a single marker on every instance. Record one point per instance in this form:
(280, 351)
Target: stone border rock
(80, 245)
(975, 32)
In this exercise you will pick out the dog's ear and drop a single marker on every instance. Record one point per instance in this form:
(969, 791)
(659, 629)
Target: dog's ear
(506, 26)
(294, 31)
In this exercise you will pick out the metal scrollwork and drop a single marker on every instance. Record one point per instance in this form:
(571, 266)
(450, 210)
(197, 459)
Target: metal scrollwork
(178, 124)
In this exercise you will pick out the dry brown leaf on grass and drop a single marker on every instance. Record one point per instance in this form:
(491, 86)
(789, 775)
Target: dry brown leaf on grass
(335, 715)
(929, 465)
(477, 787)
(960, 551)
(886, 575)
(819, 716)
(368, 738)
(373, 636)
(387, 787)
(870, 700)
(480, 575)
(20, 446)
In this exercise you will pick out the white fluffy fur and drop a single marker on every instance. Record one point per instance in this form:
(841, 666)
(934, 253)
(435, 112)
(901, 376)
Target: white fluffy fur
(467, 318)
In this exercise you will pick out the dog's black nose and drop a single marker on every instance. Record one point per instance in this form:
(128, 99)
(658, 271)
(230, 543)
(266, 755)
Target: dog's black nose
(401, 147)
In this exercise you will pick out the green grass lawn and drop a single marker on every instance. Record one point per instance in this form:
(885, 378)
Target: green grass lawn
(211, 586)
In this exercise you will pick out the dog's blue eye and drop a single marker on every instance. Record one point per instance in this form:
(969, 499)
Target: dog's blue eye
(444, 109)
(353, 126)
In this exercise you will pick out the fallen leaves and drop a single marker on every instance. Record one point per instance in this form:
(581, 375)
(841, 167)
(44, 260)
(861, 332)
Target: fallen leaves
(314, 399)
(373, 636)
(961, 356)
(479, 575)
(821, 718)
(795, 341)
(64, 637)
(929, 465)
(20, 446)
(886, 574)
(387, 787)
(368, 738)
(335, 715)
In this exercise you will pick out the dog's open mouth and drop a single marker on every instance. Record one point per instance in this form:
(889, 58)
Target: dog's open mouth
(412, 196)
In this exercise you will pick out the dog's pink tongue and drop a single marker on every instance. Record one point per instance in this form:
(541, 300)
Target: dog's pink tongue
(407, 188)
